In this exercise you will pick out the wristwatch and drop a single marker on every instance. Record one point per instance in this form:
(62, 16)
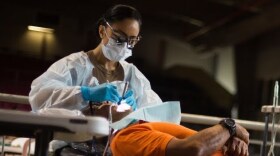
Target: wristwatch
(230, 125)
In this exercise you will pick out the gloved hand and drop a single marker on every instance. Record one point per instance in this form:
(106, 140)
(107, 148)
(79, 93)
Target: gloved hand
(129, 99)
(101, 93)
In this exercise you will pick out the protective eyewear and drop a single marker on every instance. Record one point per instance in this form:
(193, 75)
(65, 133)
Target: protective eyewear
(121, 37)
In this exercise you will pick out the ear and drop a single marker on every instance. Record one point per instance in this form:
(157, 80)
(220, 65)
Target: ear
(101, 31)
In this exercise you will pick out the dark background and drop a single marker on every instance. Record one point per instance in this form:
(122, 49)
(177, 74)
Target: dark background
(249, 28)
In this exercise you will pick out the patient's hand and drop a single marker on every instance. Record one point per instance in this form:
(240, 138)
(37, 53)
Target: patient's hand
(237, 147)
(103, 110)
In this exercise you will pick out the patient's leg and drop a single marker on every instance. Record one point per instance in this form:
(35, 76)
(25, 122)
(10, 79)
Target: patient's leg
(151, 139)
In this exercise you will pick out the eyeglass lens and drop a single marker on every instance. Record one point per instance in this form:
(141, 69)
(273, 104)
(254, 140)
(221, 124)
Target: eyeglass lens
(120, 38)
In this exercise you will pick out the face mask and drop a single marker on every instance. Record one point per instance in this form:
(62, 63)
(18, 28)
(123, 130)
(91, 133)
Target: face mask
(115, 52)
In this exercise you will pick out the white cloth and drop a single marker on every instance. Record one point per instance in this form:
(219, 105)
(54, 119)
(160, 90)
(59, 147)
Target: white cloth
(165, 112)
(60, 85)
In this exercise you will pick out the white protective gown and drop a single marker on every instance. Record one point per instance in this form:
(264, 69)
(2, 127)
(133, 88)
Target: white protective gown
(60, 85)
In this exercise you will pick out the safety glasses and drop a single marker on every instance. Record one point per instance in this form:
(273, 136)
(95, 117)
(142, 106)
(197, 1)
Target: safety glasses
(121, 37)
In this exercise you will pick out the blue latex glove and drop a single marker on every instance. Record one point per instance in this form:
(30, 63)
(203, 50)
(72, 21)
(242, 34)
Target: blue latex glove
(129, 99)
(101, 93)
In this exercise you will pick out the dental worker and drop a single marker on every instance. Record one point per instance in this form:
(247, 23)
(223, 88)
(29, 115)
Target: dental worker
(81, 77)
(94, 76)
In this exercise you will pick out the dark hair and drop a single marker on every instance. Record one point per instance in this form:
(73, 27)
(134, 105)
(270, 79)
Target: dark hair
(118, 13)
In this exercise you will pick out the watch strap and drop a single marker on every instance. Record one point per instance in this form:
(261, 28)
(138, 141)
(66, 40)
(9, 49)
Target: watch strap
(230, 125)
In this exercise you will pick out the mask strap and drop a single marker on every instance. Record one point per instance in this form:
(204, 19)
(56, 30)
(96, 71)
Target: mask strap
(105, 31)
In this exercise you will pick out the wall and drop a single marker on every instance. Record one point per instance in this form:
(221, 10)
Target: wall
(268, 59)
(184, 54)
(175, 52)
(225, 69)
(156, 49)
(219, 63)
(69, 35)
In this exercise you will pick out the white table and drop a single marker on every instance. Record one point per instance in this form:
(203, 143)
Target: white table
(267, 109)
(45, 128)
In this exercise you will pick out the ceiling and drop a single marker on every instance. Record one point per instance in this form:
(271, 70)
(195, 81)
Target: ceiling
(203, 23)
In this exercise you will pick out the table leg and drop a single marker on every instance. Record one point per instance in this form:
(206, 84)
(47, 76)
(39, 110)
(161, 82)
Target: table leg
(42, 138)
(263, 148)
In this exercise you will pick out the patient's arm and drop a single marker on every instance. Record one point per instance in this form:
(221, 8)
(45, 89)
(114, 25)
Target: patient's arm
(209, 140)
(103, 110)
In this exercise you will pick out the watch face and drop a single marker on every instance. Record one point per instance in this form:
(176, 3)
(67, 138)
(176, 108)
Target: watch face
(230, 125)
(230, 122)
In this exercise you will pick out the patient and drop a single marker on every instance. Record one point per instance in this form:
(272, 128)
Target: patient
(167, 139)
